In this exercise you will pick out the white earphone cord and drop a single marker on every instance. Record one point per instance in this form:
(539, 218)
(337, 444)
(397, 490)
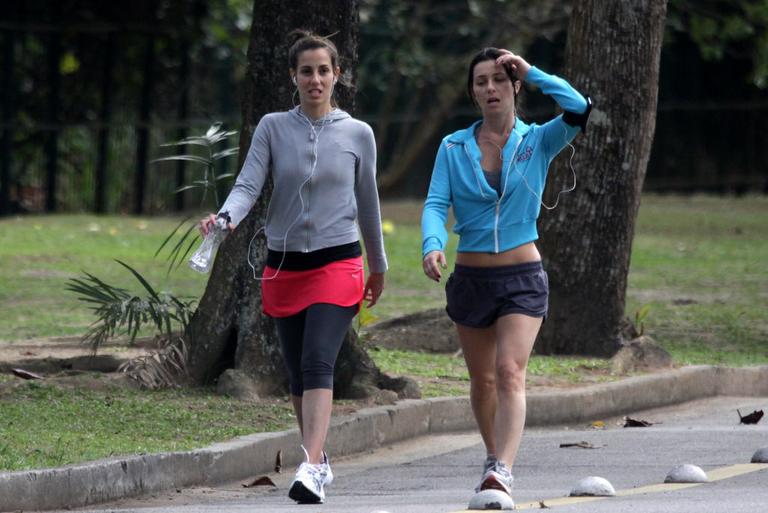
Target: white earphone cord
(316, 137)
(527, 185)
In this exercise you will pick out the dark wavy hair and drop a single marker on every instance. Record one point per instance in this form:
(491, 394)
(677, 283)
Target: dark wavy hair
(489, 54)
(304, 40)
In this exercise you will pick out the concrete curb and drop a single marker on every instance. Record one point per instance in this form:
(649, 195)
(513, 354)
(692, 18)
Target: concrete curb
(106, 480)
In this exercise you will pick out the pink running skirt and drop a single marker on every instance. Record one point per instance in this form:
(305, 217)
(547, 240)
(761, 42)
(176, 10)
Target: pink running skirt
(338, 283)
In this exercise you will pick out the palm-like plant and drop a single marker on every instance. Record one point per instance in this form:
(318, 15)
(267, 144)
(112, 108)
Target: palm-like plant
(118, 311)
(207, 182)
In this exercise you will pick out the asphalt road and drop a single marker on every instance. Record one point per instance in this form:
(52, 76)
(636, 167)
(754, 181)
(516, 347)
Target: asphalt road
(436, 474)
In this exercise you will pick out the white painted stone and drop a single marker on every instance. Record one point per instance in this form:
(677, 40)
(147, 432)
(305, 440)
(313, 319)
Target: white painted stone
(760, 456)
(593, 486)
(686, 473)
(491, 499)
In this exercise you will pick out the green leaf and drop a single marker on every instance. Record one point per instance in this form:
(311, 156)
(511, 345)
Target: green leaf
(186, 188)
(213, 129)
(188, 158)
(69, 64)
(196, 141)
(225, 153)
(141, 279)
(170, 236)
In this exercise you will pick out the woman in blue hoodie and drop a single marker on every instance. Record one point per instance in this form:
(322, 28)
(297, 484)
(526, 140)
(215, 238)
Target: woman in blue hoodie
(493, 175)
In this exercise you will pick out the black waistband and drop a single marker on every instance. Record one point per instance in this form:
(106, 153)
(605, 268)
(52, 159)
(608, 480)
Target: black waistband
(500, 271)
(298, 261)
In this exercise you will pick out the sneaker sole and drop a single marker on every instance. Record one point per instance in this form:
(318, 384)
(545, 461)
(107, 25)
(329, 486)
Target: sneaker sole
(303, 495)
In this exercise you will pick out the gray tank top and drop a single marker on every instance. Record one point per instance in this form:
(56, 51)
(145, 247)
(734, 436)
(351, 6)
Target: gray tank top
(494, 180)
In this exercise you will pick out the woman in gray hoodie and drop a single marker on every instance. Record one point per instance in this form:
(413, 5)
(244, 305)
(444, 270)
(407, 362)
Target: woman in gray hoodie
(323, 165)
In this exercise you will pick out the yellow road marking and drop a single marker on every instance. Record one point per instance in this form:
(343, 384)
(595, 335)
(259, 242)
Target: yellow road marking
(717, 474)
(735, 470)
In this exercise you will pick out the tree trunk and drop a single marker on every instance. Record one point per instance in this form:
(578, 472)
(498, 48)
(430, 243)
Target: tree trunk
(229, 329)
(613, 55)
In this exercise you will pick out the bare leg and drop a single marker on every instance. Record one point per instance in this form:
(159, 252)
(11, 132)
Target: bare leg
(516, 334)
(316, 409)
(296, 400)
(479, 348)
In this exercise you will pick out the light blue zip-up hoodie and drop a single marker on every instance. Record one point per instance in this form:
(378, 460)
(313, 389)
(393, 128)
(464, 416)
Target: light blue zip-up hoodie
(486, 221)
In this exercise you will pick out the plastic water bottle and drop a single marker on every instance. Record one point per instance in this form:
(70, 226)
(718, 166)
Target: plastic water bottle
(202, 260)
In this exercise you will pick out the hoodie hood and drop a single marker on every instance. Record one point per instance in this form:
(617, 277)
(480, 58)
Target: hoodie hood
(332, 117)
(465, 134)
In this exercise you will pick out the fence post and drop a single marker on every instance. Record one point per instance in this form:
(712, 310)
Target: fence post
(54, 100)
(7, 137)
(102, 158)
(142, 147)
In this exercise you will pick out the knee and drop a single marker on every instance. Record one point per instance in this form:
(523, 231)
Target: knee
(317, 374)
(484, 383)
(510, 378)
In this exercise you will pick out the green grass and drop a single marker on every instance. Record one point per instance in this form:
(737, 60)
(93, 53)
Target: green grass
(698, 262)
(442, 375)
(46, 426)
(40, 253)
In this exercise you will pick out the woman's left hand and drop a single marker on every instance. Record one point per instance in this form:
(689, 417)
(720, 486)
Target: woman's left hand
(517, 64)
(373, 288)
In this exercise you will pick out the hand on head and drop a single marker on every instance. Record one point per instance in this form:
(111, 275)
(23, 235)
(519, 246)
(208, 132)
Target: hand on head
(517, 64)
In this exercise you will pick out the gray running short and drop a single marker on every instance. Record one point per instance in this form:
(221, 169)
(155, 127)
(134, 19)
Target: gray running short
(477, 296)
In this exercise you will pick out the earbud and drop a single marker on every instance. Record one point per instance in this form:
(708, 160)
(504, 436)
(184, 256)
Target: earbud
(293, 78)
(335, 80)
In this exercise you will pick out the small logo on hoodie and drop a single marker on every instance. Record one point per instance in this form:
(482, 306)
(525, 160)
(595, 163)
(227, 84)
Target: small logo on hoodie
(525, 154)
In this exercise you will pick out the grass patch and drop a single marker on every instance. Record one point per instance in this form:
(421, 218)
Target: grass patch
(45, 426)
(40, 253)
(699, 263)
(442, 375)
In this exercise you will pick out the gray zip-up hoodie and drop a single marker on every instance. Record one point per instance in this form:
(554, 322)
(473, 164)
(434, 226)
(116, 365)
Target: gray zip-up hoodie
(324, 175)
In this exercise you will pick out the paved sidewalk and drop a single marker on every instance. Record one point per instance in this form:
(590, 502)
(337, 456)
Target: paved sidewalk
(108, 480)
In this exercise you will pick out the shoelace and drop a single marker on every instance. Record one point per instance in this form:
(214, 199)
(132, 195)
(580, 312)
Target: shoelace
(314, 472)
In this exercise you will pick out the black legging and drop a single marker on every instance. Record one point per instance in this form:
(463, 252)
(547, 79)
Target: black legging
(310, 341)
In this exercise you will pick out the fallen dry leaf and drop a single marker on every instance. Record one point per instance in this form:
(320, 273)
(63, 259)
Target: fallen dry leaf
(26, 374)
(582, 445)
(752, 418)
(630, 422)
(260, 481)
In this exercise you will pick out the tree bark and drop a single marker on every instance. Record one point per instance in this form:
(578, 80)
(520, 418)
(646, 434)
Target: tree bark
(229, 328)
(612, 54)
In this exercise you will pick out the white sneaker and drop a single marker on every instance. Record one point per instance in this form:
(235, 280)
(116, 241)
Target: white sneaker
(326, 468)
(307, 486)
(488, 464)
(498, 477)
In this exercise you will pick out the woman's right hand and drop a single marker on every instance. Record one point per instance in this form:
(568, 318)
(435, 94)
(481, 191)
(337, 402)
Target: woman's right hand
(432, 263)
(207, 223)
